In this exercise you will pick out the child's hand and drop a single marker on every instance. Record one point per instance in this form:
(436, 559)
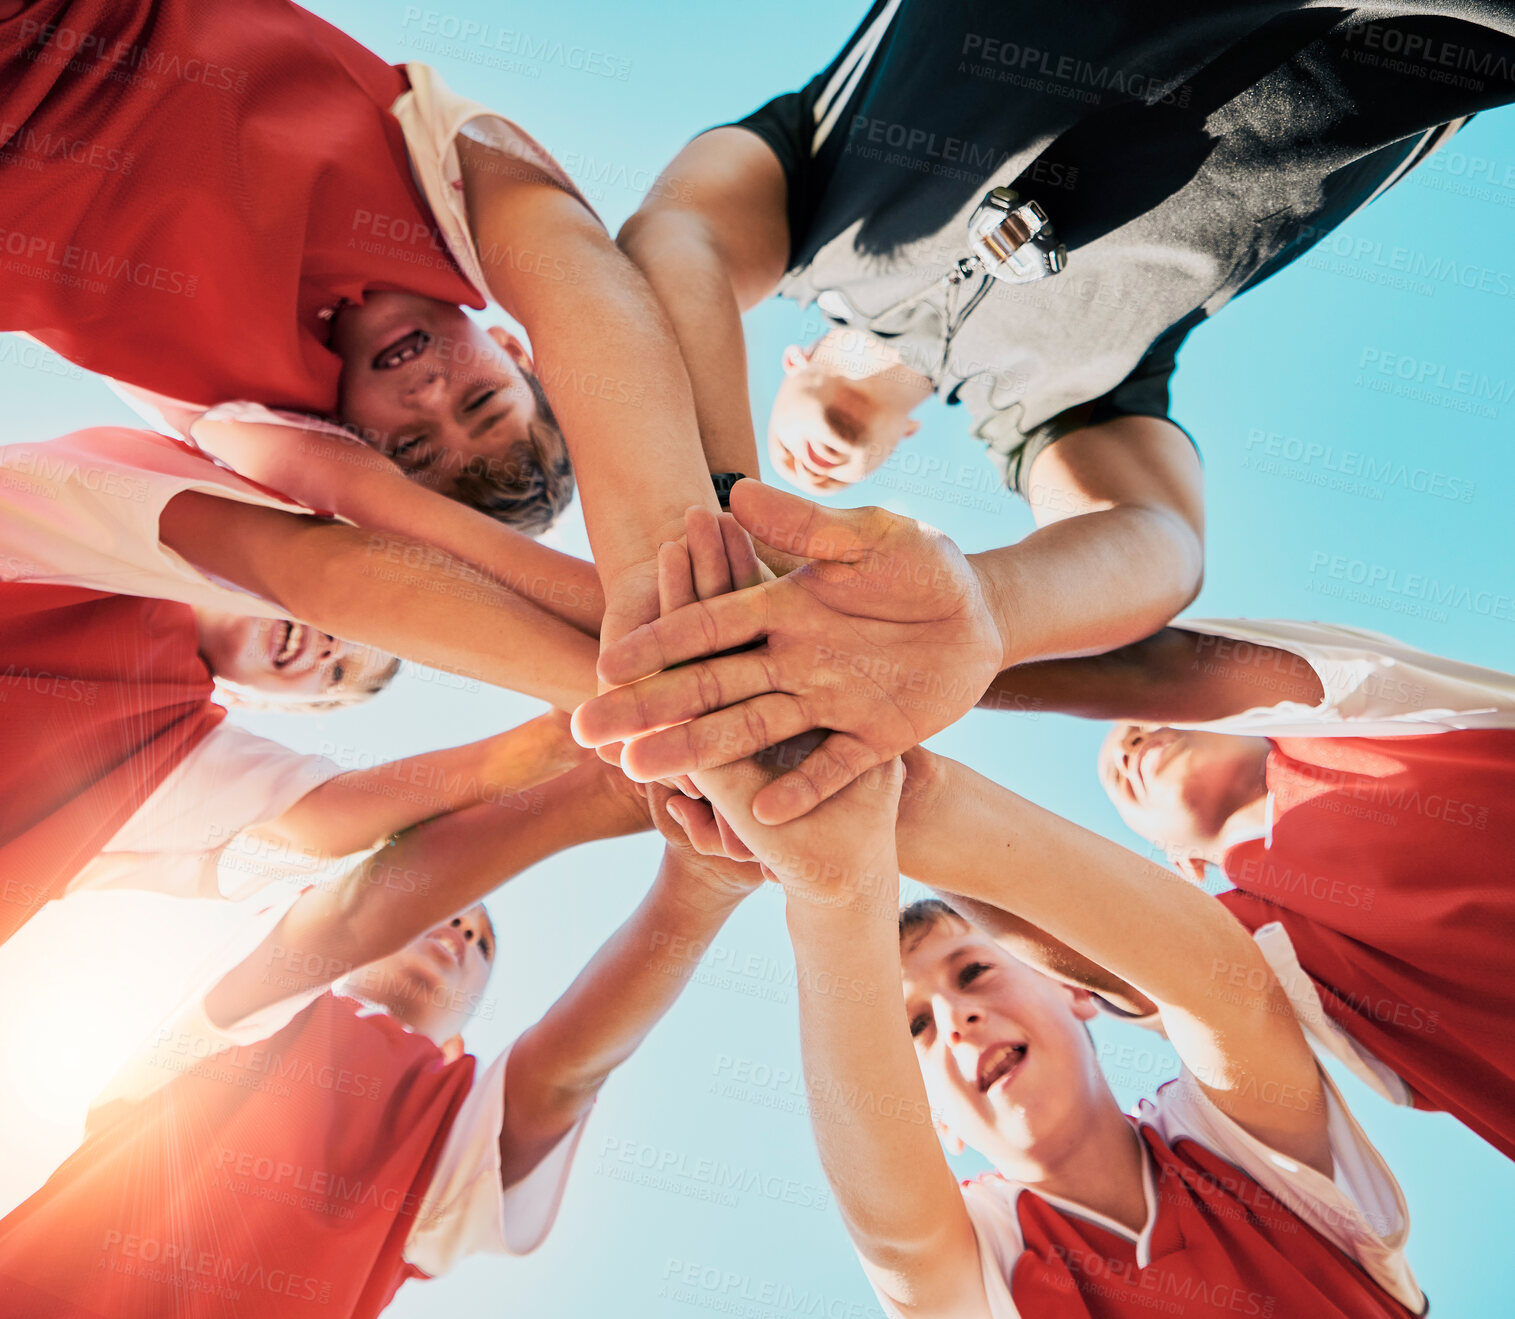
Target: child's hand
(695, 839)
(925, 781)
(840, 854)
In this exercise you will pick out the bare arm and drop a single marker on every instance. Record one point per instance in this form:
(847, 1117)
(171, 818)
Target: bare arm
(353, 481)
(1171, 677)
(1170, 940)
(636, 451)
(431, 873)
(357, 809)
(1119, 545)
(383, 590)
(712, 238)
(558, 1066)
(898, 1197)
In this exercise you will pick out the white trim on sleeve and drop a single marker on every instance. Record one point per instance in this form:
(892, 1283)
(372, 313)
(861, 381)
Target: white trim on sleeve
(177, 841)
(1360, 1209)
(831, 102)
(1374, 685)
(1320, 1027)
(465, 1211)
(188, 1037)
(431, 116)
(83, 510)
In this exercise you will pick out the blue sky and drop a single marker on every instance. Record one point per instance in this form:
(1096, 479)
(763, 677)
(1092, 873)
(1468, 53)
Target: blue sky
(1338, 354)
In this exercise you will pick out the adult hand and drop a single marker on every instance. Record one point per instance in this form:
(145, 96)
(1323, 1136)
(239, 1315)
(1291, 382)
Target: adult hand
(884, 638)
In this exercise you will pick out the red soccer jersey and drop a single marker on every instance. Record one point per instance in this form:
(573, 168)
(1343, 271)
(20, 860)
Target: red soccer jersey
(186, 187)
(279, 1179)
(101, 696)
(1218, 1243)
(1391, 868)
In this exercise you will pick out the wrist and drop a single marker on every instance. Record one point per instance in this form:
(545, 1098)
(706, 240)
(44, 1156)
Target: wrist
(826, 894)
(693, 894)
(595, 808)
(992, 570)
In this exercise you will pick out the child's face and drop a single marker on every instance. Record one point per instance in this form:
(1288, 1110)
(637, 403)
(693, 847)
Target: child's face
(435, 983)
(286, 659)
(825, 433)
(1178, 787)
(1008, 1066)
(426, 386)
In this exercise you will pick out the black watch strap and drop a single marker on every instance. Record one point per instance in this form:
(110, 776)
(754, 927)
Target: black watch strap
(723, 481)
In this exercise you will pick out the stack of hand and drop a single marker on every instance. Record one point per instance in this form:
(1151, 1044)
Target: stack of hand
(882, 638)
(756, 774)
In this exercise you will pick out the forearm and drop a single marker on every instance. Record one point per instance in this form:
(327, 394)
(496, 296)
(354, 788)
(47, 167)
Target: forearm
(561, 585)
(682, 263)
(637, 454)
(357, 483)
(382, 590)
(1116, 910)
(1172, 677)
(931, 851)
(898, 1197)
(426, 876)
(1090, 583)
(357, 809)
(632, 436)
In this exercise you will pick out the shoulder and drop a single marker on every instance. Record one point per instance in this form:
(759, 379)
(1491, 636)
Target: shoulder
(993, 1203)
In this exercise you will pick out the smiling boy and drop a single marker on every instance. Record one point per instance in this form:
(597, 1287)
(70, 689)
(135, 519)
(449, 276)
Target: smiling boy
(276, 1155)
(1357, 794)
(1244, 1186)
(360, 195)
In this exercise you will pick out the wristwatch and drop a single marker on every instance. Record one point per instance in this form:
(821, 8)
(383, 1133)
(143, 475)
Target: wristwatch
(723, 481)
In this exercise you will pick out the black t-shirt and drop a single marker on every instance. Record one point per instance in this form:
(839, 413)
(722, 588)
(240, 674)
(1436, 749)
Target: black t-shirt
(1184, 152)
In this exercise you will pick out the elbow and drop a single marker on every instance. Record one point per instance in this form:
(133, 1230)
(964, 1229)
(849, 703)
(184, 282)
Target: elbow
(1180, 550)
(653, 227)
(664, 235)
(642, 223)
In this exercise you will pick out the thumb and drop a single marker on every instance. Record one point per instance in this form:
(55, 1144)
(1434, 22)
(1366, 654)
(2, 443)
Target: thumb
(795, 525)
